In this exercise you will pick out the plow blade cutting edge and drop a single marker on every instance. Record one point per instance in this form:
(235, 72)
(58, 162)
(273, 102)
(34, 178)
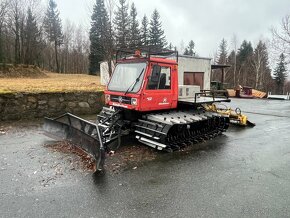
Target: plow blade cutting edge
(82, 133)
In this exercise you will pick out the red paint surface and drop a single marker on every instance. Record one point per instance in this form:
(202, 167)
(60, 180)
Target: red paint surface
(151, 100)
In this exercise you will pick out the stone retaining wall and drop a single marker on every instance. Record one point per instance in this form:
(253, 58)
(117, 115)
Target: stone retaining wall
(29, 106)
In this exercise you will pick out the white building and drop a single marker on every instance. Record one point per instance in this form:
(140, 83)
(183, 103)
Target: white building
(194, 71)
(191, 71)
(104, 72)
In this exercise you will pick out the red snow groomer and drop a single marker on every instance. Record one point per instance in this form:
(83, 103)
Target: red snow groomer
(147, 96)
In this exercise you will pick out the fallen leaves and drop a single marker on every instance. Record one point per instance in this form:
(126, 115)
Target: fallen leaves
(127, 157)
(81, 160)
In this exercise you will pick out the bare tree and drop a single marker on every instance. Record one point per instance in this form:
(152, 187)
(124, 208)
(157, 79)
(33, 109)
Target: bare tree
(260, 65)
(287, 87)
(281, 37)
(181, 47)
(16, 23)
(74, 53)
(234, 43)
(69, 29)
(3, 11)
(80, 41)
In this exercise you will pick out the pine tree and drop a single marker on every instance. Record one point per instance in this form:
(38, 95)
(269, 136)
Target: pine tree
(145, 31)
(53, 28)
(100, 36)
(223, 58)
(186, 52)
(135, 38)
(230, 75)
(261, 67)
(32, 39)
(189, 50)
(156, 33)
(245, 51)
(170, 46)
(223, 53)
(122, 24)
(280, 74)
(244, 57)
(191, 46)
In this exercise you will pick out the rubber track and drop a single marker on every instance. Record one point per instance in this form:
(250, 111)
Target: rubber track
(176, 129)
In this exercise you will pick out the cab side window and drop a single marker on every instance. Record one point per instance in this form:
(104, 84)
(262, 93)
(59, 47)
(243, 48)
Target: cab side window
(159, 78)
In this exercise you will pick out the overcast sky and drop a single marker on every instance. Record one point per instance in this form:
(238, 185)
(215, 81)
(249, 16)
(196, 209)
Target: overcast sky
(206, 22)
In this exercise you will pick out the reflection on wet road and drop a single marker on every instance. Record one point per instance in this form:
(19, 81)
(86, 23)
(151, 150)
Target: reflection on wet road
(244, 173)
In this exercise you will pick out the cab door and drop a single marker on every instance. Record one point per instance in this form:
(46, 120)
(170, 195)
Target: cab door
(158, 92)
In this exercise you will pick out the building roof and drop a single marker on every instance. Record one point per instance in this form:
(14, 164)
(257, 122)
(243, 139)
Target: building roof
(194, 57)
(219, 66)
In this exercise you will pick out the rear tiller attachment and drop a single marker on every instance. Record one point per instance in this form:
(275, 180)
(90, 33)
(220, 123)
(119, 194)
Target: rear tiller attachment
(236, 116)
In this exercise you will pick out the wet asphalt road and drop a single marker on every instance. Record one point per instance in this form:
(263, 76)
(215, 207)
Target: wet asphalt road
(244, 173)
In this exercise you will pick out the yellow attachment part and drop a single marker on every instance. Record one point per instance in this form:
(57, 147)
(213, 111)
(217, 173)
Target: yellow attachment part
(236, 116)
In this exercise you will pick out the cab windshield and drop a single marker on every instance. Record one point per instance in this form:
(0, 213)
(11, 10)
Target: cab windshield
(127, 77)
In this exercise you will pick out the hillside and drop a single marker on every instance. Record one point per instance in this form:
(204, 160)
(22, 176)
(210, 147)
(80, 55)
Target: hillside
(20, 71)
(34, 80)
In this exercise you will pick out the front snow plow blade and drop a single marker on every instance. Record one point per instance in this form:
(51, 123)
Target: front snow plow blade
(82, 133)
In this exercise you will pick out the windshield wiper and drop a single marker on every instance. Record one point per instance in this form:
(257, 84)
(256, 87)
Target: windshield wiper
(135, 82)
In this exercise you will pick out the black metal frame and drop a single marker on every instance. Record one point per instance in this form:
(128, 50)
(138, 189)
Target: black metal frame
(83, 134)
(148, 51)
(92, 138)
(212, 93)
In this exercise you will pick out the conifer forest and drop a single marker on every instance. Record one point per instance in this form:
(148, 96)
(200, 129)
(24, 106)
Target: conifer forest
(33, 33)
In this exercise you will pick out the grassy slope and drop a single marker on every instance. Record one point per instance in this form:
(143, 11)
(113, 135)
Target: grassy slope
(53, 83)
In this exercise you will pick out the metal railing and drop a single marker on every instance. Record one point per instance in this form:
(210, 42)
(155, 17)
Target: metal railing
(211, 93)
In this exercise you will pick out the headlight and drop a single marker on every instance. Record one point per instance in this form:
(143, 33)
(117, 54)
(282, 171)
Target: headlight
(107, 98)
(134, 101)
